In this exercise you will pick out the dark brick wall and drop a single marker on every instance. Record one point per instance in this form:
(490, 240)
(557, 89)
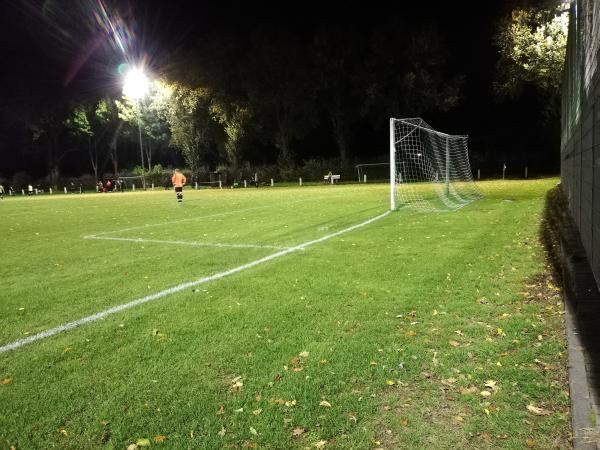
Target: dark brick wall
(580, 130)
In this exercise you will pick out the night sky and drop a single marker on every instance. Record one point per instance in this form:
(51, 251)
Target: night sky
(49, 50)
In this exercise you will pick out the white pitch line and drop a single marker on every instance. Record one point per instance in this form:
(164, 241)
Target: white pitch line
(180, 287)
(192, 243)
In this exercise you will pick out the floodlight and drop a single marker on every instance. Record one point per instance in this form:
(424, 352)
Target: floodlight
(136, 84)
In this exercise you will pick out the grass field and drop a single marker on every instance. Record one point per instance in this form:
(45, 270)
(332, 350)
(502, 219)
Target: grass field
(439, 330)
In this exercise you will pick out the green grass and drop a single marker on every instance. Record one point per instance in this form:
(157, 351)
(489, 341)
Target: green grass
(398, 326)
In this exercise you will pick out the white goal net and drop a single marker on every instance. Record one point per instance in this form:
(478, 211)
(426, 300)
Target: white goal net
(429, 170)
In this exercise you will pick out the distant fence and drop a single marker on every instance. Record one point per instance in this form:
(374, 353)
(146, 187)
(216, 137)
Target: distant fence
(580, 130)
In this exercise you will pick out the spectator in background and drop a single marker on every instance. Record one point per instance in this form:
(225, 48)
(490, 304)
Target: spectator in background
(1, 192)
(29, 189)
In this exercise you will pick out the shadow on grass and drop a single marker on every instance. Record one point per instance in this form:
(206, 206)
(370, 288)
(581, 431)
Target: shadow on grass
(572, 269)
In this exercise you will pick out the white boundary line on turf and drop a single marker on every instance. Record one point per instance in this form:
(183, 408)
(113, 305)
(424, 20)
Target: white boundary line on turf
(180, 287)
(191, 243)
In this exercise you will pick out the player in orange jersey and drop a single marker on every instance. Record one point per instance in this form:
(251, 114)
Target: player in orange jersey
(178, 180)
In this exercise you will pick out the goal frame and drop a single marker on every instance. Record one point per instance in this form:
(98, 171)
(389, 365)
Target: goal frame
(447, 163)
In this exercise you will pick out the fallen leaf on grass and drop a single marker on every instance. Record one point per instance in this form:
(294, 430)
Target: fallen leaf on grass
(143, 442)
(5, 381)
(256, 412)
(222, 432)
(538, 411)
(454, 343)
(491, 384)
(160, 438)
(253, 431)
(530, 443)
(132, 447)
(297, 432)
(304, 354)
(221, 410)
(236, 384)
(325, 403)
(105, 436)
(320, 444)
(468, 390)
(485, 393)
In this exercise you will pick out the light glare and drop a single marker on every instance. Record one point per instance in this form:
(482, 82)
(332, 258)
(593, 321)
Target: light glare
(136, 84)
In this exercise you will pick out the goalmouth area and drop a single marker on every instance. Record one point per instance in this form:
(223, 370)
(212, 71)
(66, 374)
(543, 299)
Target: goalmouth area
(291, 317)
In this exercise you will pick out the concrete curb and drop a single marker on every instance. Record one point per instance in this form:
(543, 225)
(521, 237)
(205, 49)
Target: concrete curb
(582, 319)
(582, 408)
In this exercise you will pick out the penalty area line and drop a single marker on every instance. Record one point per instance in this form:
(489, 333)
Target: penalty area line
(180, 287)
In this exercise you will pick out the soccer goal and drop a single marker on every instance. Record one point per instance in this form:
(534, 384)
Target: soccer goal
(372, 172)
(429, 170)
(133, 182)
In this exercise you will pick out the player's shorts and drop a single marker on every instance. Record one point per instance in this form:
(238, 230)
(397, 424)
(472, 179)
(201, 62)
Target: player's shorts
(179, 189)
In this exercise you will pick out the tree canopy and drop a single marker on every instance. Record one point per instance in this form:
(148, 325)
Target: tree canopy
(532, 41)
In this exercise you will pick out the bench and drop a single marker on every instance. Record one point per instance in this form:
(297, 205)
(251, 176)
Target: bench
(333, 179)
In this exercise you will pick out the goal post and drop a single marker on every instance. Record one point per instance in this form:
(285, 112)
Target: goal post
(429, 170)
(392, 165)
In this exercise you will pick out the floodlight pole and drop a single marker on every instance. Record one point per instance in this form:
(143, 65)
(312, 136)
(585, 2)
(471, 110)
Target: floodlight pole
(141, 148)
(135, 87)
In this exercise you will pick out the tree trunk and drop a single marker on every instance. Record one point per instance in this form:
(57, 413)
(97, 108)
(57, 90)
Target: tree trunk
(93, 158)
(149, 156)
(340, 133)
(53, 160)
(282, 142)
